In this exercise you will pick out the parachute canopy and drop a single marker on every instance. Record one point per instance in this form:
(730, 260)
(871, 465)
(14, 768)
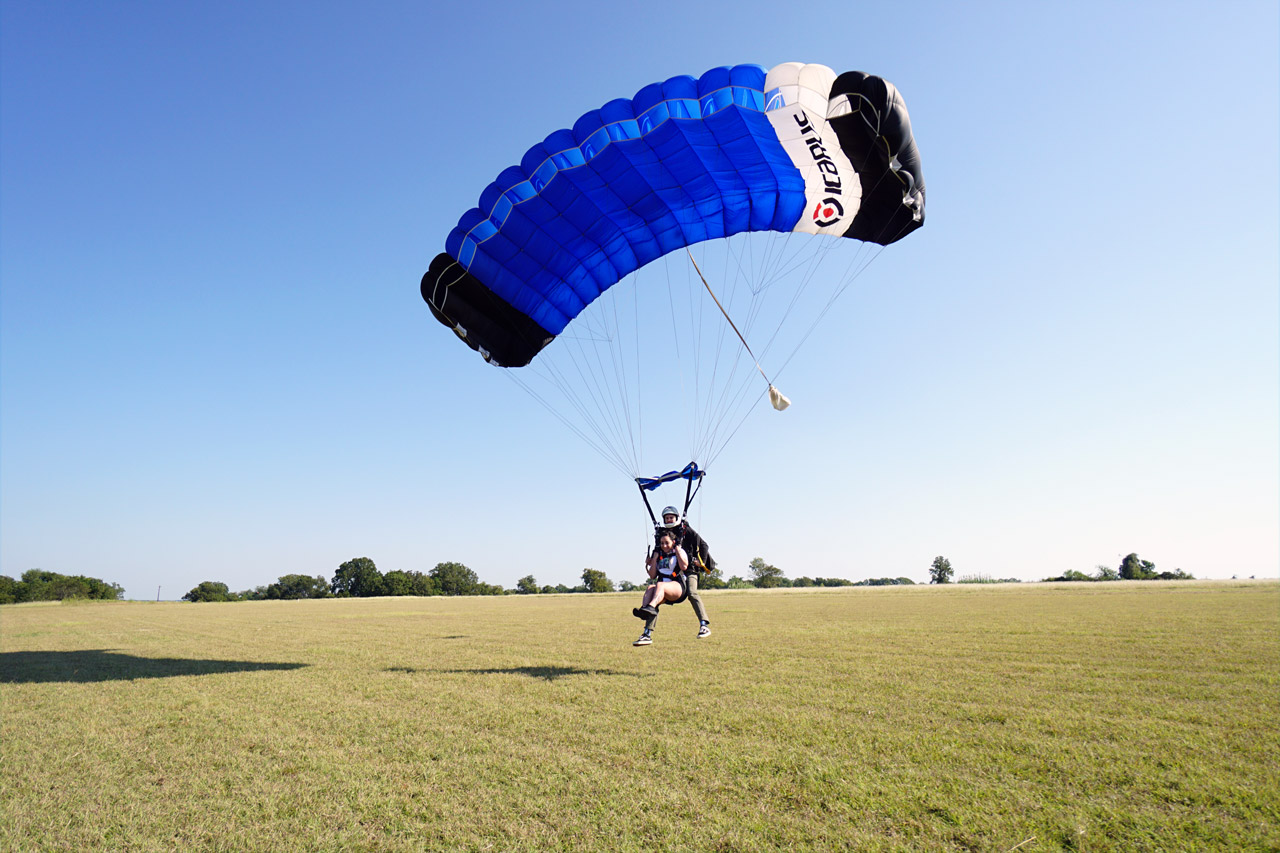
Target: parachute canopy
(796, 148)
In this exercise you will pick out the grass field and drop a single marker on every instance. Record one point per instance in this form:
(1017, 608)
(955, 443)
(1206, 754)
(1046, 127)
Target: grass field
(1094, 717)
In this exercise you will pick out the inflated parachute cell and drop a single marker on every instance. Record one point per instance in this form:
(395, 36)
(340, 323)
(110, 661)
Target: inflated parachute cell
(794, 148)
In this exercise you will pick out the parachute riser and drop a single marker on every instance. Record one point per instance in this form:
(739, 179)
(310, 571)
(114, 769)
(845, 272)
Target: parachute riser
(690, 491)
(690, 473)
(645, 497)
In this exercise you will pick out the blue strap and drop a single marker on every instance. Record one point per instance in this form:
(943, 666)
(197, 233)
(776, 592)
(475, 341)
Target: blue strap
(690, 472)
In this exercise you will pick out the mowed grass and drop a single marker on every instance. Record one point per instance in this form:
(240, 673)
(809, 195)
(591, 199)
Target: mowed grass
(1120, 716)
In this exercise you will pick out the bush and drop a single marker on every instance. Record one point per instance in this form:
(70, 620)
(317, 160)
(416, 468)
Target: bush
(358, 577)
(39, 585)
(456, 579)
(1070, 575)
(596, 581)
(766, 576)
(409, 583)
(290, 587)
(210, 591)
(10, 589)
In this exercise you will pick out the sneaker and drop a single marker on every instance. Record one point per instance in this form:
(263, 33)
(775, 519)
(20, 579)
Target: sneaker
(704, 631)
(644, 640)
(647, 611)
(638, 613)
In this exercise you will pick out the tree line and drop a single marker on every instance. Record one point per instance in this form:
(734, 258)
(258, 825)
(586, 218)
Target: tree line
(357, 578)
(360, 578)
(1132, 568)
(39, 585)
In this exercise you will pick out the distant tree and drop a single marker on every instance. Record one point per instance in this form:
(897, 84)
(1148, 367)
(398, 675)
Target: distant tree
(712, 580)
(1175, 575)
(358, 577)
(527, 585)
(628, 586)
(100, 589)
(396, 582)
(736, 582)
(10, 589)
(40, 585)
(418, 583)
(595, 581)
(1106, 573)
(292, 587)
(765, 576)
(1070, 575)
(940, 571)
(1135, 569)
(209, 591)
(455, 579)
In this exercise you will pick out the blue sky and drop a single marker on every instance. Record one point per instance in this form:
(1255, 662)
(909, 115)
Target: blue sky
(215, 364)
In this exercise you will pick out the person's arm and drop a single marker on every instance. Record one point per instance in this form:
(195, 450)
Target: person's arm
(683, 559)
(697, 545)
(651, 565)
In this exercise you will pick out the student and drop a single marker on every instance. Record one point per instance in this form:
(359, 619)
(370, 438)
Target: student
(700, 560)
(668, 567)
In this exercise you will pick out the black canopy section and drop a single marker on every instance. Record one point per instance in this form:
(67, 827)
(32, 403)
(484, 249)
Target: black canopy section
(487, 323)
(876, 137)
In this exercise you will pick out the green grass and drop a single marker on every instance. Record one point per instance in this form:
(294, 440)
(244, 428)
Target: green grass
(1094, 717)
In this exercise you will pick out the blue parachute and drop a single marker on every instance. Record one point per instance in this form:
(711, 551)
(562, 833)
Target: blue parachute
(795, 148)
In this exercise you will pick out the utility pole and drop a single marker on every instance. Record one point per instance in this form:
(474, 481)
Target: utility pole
(157, 594)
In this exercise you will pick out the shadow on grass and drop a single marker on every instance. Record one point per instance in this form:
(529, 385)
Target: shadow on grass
(105, 665)
(547, 673)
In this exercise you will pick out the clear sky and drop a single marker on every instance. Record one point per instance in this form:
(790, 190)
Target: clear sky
(215, 363)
